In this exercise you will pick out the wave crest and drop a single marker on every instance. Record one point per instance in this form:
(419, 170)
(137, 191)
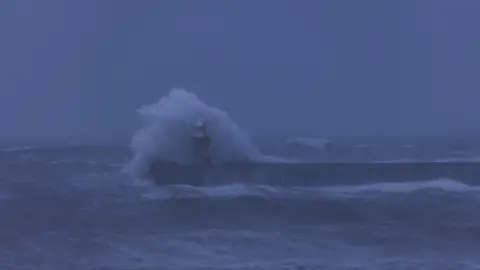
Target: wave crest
(168, 127)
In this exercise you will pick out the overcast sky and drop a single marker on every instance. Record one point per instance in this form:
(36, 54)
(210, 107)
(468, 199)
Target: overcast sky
(373, 67)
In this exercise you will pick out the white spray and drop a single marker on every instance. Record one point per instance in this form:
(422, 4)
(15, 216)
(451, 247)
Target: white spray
(167, 131)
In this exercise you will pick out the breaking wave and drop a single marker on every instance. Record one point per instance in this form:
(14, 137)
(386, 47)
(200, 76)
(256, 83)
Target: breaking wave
(243, 190)
(420, 203)
(168, 127)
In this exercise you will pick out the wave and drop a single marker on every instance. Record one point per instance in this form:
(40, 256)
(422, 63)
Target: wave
(443, 184)
(457, 160)
(438, 160)
(167, 130)
(238, 205)
(19, 148)
(241, 190)
(234, 205)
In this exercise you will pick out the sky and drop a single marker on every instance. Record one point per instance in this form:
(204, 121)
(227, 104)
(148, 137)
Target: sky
(80, 69)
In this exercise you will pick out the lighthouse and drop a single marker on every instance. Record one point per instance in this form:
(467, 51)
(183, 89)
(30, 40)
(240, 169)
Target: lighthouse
(201, 144)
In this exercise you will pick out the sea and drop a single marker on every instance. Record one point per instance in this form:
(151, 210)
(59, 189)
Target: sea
(76, 206)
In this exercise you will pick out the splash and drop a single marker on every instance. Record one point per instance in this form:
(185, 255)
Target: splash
(167, 131)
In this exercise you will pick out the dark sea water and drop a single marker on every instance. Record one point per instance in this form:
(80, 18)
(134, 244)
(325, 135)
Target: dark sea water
(70, 207)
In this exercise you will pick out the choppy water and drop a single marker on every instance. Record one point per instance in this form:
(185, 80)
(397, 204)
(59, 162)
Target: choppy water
(70, 208)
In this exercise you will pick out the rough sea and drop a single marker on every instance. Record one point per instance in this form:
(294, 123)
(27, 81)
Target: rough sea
(81, 207)
(70, 207)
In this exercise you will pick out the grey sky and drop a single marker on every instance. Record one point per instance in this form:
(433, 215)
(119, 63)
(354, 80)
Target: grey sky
(373, 67)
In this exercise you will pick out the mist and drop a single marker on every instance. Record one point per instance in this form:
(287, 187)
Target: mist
(78, 70)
